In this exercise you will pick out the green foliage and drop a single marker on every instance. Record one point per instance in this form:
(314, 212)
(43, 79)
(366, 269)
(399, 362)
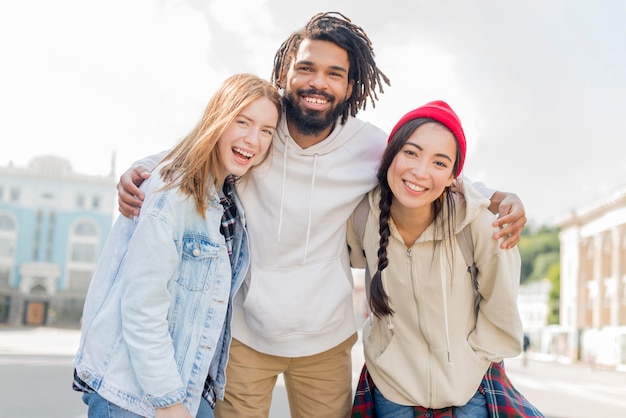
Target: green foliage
(542, 264)
(554, 275)
(538, 251)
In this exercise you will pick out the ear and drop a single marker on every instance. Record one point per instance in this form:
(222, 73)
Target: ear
(349, 89)
(450, 180)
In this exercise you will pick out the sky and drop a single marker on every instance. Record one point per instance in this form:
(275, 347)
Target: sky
(539, 85)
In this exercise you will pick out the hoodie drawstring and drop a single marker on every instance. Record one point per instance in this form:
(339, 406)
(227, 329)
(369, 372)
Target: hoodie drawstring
(282, 199)
(308, 227)
(442, 267)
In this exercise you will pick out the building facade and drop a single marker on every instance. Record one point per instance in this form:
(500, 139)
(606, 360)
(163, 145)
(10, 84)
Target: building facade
(53, 223)
(593, 282)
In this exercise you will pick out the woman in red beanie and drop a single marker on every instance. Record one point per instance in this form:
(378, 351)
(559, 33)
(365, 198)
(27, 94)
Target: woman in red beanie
(428, 346)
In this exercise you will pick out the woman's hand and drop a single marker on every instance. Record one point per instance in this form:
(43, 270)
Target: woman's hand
(178, 410)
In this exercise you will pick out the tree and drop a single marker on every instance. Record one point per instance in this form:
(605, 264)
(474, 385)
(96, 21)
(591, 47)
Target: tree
(554, 275)
(540, 253)
(538, 250)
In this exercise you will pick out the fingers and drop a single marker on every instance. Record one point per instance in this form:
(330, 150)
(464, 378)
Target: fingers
(127, 210)
(511, 226)
(129, 196)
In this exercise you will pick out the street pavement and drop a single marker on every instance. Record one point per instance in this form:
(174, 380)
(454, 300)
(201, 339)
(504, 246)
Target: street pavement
(35, 376)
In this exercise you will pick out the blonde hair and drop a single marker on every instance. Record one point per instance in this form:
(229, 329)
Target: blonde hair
(194, 164)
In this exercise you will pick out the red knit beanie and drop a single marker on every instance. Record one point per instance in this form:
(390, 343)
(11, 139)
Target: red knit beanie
(441, 112)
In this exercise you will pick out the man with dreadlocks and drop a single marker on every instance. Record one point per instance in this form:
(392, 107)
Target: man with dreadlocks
(294, 313)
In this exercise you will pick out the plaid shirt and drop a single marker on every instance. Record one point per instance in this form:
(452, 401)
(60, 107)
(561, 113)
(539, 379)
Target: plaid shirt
(503, 400)
(230, 212)
(227, 229)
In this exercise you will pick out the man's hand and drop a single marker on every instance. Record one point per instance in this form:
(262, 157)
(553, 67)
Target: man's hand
(178, 410)
(129, 196)
(511, 218)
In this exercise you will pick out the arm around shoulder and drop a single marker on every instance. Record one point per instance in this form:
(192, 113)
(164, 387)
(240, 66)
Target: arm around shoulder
(130, 197)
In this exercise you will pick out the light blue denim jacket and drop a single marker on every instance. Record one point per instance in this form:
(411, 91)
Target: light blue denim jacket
(159, 305)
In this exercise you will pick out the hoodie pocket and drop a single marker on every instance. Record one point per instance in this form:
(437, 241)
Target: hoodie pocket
(314, 299)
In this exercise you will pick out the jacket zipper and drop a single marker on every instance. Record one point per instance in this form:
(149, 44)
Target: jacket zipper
(409, 262)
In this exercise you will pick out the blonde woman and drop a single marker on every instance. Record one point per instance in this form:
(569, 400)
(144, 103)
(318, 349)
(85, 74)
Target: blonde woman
(156, 322)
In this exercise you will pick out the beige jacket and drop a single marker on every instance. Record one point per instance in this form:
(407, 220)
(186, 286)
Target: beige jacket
(434, 351)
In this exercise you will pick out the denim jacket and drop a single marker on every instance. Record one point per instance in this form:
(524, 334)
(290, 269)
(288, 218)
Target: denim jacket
(159, 306)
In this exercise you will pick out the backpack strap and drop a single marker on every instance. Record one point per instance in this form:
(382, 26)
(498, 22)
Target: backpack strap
(464, 238)
(359, 219)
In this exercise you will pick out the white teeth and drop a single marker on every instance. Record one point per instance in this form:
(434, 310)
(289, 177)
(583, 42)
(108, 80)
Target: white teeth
(314, 100)
(244, 153)
(414, 187)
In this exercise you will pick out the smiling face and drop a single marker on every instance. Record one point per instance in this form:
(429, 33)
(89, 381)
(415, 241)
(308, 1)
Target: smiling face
(422, 169)
(248, 137)
(316, 87)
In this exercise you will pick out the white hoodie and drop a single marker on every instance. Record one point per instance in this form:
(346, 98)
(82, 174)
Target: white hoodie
(297, 301)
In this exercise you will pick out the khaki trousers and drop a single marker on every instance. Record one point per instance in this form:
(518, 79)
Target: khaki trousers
(317, 386)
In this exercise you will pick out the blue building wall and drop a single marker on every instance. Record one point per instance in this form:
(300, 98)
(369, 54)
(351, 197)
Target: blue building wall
(46, 200)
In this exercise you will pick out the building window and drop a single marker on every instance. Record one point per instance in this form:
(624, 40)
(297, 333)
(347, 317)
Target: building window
(7, 248)
(95, 202)
(8, 238)
(83, 247)
(84, 242)
(85, 229)
(80, 200)
(6, 223)
(8, 242)
(51, 229)
(83, 253)
(15, 195)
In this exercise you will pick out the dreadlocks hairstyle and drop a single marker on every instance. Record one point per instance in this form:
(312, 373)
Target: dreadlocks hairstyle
(379, 300)
(336, 28)
(194, 164)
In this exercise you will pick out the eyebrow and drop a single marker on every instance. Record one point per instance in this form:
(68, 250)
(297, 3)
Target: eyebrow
(311, 63)
(446, 156)
(249, 119)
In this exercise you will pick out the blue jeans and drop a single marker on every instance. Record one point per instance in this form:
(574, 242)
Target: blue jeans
(476, 407)
(101, 408)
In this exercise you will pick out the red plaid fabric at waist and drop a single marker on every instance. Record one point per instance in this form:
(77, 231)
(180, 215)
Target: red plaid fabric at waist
(503, 400)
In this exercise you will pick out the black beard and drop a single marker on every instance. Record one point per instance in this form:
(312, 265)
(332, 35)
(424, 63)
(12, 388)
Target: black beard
(311, 122)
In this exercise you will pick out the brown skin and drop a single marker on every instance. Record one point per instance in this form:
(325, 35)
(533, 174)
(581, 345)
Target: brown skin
(322, 66)
(511, 217)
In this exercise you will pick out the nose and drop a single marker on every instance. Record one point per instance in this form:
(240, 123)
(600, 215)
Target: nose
(419, 169)
(253, 137)
(318, 81)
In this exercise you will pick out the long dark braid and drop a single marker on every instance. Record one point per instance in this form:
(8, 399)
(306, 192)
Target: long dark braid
(336, 28)
(379, 300)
